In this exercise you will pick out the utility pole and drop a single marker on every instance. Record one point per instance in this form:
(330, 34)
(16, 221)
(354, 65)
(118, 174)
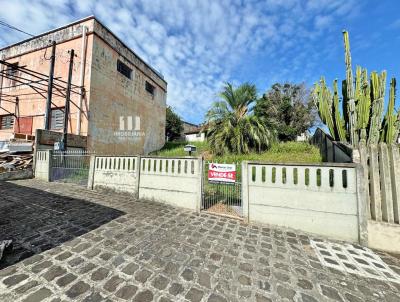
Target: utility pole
(67, 100)
(50, 87)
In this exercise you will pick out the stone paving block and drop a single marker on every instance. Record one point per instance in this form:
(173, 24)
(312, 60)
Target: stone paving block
(39, 295)
(77, 289)
(132, 250)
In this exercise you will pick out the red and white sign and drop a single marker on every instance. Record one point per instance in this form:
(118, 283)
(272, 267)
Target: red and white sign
(222, 172)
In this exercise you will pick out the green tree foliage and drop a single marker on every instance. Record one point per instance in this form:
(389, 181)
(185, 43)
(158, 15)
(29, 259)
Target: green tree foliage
(232, 126)
(173, 127)
(288, 109)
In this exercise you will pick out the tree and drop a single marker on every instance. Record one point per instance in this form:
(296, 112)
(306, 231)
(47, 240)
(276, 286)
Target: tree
(232, 126)
(288, 109)
(173, 127)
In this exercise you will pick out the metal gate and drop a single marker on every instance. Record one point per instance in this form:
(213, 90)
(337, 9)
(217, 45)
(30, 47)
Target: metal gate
(70, 166)
(220, 197)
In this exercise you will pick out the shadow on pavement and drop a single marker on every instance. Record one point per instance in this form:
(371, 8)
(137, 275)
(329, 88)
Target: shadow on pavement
(37, 220)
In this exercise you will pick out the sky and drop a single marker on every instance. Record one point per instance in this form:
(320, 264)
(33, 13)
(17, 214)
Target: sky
(198, 45)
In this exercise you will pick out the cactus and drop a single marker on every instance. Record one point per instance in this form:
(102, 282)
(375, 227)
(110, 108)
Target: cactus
(363, 101)
(388, 124)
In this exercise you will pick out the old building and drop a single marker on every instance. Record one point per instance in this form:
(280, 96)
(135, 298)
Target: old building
(117, 100)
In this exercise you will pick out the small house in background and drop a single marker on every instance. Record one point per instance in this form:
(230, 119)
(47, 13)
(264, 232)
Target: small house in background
(188, 127)
(195, 136)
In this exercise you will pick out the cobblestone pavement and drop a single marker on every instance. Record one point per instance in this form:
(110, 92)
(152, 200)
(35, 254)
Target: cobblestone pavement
(78, 245)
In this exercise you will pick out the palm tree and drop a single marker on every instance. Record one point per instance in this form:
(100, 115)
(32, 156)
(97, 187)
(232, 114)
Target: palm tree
(231, 125)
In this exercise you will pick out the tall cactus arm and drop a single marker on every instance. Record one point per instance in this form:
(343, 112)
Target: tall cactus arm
(340, 131)
(352, 113)
(364, 105)
(323, 101)
(378, 85)
(388, 123)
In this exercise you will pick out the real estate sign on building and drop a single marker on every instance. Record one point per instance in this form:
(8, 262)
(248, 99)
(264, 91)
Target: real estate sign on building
(222, 172)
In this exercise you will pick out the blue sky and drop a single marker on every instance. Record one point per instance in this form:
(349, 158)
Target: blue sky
(199, 45)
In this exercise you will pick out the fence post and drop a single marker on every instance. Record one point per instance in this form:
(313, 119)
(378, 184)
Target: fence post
(49, 154)
(200, 184)
(138, 169)
(362, 205)
(363, 156)
(375, 189)
(386, 187)
(92, 169)
(394, 158)
(245, 191)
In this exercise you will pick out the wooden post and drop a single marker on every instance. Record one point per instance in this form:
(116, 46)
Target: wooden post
(386, 186)
(363, 156)
(375, 189)
(394, 158)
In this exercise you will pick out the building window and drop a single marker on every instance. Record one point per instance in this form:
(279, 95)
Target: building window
(6, 121)
(150, 88)
(124, 69)
(57, 118)
(11, 73)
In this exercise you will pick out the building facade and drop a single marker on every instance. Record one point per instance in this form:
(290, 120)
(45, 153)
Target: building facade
(117, 100)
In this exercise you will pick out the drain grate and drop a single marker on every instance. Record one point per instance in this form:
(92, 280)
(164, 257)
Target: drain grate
(354, 259)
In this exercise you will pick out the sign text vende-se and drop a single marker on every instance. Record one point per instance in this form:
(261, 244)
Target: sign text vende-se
(221, 172)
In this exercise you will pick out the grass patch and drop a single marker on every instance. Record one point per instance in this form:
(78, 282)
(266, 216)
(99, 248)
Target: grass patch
(301, 152)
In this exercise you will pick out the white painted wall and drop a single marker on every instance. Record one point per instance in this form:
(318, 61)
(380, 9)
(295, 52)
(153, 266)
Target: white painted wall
(195, 138)
(118, 173)
(42, 165)
(174, 181)
(316, 208)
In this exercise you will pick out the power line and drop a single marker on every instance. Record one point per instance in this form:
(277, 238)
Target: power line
(14, 28)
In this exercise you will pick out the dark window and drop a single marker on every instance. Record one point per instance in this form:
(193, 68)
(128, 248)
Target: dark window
(6, 121)
(124, 69)
(57, 118)
(150, 88)
(12, 72)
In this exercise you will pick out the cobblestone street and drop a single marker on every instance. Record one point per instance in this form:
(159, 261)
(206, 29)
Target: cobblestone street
(72, 244)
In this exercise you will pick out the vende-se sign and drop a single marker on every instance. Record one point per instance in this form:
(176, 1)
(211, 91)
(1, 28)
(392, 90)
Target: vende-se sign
(222, 172)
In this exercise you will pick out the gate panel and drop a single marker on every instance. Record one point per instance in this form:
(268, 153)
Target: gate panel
(70, 166)
(222, 197)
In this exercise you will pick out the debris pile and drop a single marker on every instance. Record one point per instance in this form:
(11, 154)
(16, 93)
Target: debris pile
(12, 162)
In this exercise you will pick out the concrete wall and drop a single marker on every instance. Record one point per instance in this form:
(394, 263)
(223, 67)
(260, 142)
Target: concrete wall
(114, 96)
(117, 173)
(384, 236)
(310, 198)
(43, 165)
(34, 54)
(108, 94)
(174, 181)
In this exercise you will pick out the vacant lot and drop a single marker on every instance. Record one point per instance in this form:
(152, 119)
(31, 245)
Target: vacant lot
(79, 245)
(300, 152)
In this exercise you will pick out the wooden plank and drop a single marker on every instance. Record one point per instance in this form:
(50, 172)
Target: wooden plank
(394, 158)
(386, 184)
(375, 189)
(364, 164)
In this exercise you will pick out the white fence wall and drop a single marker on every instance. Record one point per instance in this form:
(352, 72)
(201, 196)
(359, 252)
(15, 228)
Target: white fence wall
(320, 199)
(42, 165)
(115, 172)
(175, 181)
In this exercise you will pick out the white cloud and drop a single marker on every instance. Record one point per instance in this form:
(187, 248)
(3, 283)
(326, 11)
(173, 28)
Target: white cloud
(196, 44)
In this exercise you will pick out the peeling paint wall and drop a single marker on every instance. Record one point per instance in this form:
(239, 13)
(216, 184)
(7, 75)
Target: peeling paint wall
(109, 95)
(34, 55)
(116, 98)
